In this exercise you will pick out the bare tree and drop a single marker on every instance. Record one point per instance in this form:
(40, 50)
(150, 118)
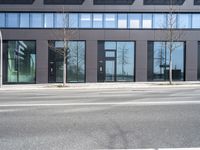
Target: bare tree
(68, 34)
(172, 36)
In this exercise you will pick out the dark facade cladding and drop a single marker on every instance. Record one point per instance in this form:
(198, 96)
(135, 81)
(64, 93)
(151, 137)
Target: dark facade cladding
(112, 40)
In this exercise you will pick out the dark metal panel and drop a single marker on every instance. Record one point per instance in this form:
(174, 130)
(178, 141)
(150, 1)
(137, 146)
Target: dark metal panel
(163, 2)
(113, 2)
(16, 1)
(63, 2)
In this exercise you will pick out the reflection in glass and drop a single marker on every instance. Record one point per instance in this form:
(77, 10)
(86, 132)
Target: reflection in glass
(110, 45)
(195, 21)
(73, 20)
(21, 62)
(134, 20)
(97, 20)
(24, 20)
(85, 20)
(12, 20)
(48, 20)
(75, 61)
(2, 20)
(61, 20)
(161, 62)
(110, 70)
(122, 20)
(184, 21)
(159, 21)
(147, 21)
(36, 20)
(125, 61)
(110, 21)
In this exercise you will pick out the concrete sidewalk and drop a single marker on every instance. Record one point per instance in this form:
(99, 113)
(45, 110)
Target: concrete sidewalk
(101, 85)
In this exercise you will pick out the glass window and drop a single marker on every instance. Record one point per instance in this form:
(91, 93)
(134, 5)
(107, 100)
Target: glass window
(134, 20)
(2, 20)
(73, 20)
(97, 20)
(125, 61)
(109, 20)
(61, 20)
(122, 20)
(36, 20)
(184, 21)
(85, 21)
(75, 62)
(110, 46)
(160, 61)
(147, 21)
(171, 20)
(12, 20)
(195, 20)
(20, 62)
(159, 21)
(110, 54)
(24, 20)
(48, 20)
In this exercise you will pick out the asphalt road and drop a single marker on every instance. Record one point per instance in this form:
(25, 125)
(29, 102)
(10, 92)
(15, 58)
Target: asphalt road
(100, 119)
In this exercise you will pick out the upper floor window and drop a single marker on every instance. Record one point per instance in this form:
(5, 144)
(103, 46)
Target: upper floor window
(122, 21)
(12, 20)
(97, 20)
(85, 20)
(36, 20)
(110, 21)
(2, 20)
(147, 21)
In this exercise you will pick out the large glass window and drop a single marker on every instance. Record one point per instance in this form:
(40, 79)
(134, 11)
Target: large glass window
(20, 61)
(125, 61)
(36, 20)
(75, 61)
(85, 20)
(134, 20)
(159, 21)
(12, 20)
(97, 20)
(110, 21)
(184, 21)
(48, 20)
(73, 20)
(122, 20)
(2, 20)
(24, 20)
(159, 57)
(116, 61)
(147, 21)
(195, 20)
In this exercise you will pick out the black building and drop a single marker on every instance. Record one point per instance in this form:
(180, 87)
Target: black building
(112, 40)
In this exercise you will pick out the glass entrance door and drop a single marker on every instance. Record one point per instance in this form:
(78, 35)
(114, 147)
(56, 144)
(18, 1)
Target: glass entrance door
(110, 70)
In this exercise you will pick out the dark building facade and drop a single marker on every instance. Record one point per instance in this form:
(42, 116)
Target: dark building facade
(112, 40)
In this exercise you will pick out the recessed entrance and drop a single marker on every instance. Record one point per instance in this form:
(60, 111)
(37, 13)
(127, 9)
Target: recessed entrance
(115, 61)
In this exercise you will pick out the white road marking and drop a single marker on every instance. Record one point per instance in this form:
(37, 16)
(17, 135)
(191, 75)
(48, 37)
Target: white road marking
(104, 104)
(158, 149)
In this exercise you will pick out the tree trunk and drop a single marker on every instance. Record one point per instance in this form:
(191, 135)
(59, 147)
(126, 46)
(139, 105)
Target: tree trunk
(64, 68)
(170, 67)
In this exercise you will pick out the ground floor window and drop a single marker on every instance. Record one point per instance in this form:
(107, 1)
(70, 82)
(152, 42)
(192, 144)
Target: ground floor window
(75, 61)
(116, 61)
(158, 61)
(19, 61)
